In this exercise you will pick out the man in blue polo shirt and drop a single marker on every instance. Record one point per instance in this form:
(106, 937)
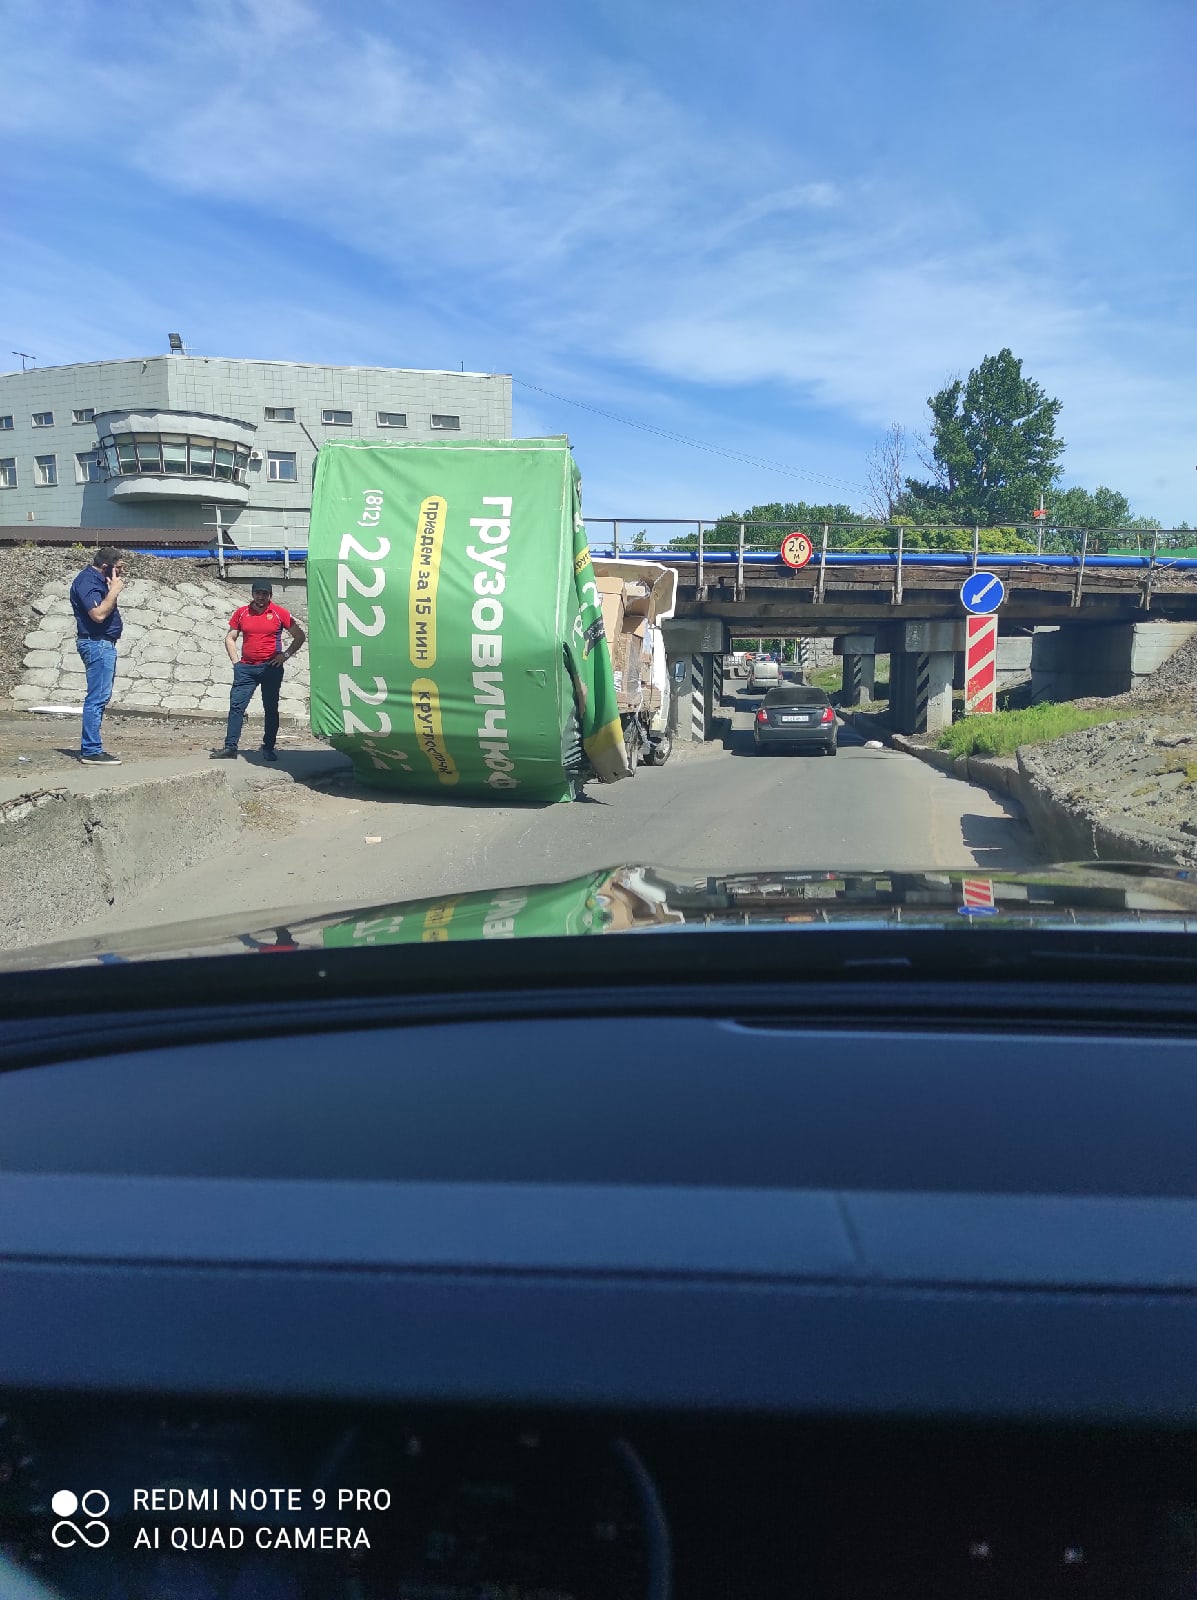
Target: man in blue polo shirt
(98, 626)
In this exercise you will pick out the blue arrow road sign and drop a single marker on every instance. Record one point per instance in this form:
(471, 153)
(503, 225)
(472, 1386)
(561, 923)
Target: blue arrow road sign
(979, 911)
(982, 593)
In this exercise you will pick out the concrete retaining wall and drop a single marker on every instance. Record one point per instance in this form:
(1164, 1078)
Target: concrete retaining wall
(68, 858)
(171, 656)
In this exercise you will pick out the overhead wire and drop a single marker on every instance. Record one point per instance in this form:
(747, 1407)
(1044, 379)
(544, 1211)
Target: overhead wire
(765, 462)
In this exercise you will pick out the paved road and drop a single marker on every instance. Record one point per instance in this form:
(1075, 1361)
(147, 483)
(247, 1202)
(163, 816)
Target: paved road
(712, 808)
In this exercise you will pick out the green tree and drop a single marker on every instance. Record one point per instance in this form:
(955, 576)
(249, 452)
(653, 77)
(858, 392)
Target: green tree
(994, 448)
(992, 541)
(1077, 508)
(773, 521)
(640, 542)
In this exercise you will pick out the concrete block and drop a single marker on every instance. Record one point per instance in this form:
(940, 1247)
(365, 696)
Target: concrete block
(28, 694)
(170, 622)
(41, 677)
(155, 650)
(192, 590)
(44, 639)
(43, 658)
(150, 831)
(156, 671)
(49, 868)
(1155, 642)
(186, 673)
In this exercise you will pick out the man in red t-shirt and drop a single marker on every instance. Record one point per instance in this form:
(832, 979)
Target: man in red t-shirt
(260, 626)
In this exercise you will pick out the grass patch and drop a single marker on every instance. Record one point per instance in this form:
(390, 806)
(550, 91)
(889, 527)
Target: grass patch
(830, 680)
(1002, 733)
(1178, 763)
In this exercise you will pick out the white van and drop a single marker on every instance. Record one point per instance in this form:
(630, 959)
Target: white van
(763, 675)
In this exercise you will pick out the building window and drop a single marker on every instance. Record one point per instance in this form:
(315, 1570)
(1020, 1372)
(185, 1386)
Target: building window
(280, 413)
(8, 472)
(341, 419)
(439, 420)
(84, 414)
(280, 466)
(43, 419)
(6, 424)
(149, 452)
(47, 471)
(87, 469)
(392, 419)
(176, 456)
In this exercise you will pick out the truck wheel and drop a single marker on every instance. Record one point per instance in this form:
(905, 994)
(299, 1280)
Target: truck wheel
(660, 752)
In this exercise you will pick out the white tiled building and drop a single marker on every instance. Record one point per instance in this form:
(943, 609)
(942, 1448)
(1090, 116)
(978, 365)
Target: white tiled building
(180, 441)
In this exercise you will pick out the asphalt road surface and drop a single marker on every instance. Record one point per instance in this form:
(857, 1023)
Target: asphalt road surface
(712, 808)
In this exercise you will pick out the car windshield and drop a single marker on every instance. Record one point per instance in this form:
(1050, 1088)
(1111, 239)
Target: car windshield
(547, 392)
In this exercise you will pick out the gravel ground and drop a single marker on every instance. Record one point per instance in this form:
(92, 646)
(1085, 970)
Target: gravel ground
(1141, 773)
(25, 570)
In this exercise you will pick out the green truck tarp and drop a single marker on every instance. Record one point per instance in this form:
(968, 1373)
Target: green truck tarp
(457, 644)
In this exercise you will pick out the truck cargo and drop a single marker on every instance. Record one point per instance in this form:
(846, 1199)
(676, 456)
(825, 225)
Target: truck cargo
(637, 597)
(458, 644)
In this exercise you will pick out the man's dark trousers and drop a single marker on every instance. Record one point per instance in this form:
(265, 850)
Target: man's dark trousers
(246, 678)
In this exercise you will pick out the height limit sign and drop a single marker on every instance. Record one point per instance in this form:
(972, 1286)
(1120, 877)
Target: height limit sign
(981, 594)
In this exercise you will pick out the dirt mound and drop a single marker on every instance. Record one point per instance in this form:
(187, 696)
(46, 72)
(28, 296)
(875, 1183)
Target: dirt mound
(26, 570)
(1139, 775)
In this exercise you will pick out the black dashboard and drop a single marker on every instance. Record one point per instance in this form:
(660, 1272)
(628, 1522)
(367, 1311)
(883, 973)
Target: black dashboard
(831, 1291)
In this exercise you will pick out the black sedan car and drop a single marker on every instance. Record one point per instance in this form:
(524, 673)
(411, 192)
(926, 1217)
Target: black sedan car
(794, 716)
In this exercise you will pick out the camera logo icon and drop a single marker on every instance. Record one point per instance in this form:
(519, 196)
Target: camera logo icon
(92, 1506)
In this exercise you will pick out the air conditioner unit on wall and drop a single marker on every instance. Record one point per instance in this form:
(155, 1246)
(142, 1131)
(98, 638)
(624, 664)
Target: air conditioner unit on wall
(255, 455)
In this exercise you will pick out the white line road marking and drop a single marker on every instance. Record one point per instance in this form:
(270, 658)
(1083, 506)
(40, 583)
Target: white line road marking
(355, 655)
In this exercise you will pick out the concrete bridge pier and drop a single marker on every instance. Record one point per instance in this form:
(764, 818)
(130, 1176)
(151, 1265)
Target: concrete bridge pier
(694, 653)
(1080, 659)
(922, 668)
(858, 652)
(920, 690)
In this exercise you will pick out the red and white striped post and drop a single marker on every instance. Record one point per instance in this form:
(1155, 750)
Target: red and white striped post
(980, 666)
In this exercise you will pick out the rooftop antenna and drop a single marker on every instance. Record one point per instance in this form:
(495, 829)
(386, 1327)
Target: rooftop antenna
(25, 356)
(176, 344)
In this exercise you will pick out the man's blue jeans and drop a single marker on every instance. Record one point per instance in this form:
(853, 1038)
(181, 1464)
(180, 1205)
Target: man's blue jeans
(99, 662)
(247, 676)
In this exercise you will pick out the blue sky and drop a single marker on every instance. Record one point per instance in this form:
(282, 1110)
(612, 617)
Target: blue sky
(774, 228)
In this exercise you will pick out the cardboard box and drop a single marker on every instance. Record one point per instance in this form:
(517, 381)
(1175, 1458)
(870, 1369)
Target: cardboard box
(637, 599)
(613, 617)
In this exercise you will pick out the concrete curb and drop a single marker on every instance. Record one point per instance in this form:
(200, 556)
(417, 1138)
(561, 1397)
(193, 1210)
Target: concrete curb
(67, 858)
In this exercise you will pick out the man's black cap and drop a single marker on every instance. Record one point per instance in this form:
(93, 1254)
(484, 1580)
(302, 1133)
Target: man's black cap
(260, 586)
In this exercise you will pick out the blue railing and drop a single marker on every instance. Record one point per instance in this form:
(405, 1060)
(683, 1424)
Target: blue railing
(770, 558)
